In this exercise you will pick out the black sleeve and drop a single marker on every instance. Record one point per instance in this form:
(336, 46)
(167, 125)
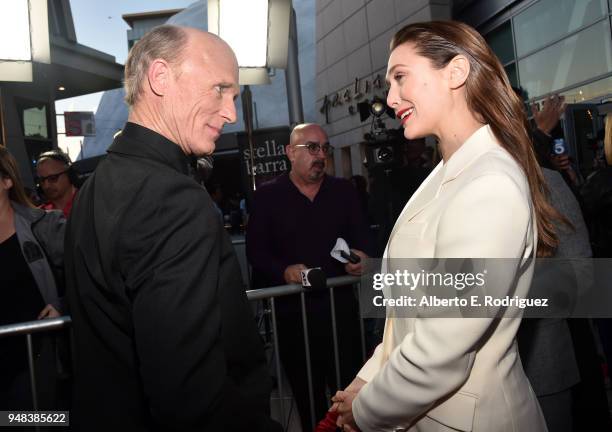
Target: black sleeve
(359, 236)
(542, 145)
(170, 257)
(260, 254)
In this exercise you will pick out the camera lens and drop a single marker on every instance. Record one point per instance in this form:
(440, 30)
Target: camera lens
(384, 154)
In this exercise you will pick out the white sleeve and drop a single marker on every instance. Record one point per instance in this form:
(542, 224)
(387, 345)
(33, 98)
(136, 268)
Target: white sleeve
(373, 365)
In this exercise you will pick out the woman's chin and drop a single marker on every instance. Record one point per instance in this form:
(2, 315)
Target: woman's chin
(411, 134)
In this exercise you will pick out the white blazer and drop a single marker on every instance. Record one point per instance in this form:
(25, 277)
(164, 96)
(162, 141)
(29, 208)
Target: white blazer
(443, 374)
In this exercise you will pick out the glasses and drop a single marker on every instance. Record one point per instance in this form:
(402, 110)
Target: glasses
(50, 178)
(313, 148)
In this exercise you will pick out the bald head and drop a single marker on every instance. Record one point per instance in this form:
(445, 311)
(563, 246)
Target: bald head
(301, 131)
(182, 83)
(172, 44)
(307, 151)
(205, 49)
(208, 44)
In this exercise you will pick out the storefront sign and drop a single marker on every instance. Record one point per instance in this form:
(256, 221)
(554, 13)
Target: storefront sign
(359, 89)
(268, 156)
(79, 123)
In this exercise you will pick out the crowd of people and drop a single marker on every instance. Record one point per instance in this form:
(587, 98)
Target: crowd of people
(164, 337)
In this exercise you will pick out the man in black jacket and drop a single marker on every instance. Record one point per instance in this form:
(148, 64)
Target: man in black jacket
(164, 337)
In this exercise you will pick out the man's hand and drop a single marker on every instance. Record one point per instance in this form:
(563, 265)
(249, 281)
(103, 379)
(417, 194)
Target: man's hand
(548, 117)
(562, 163)
(344, 401)
(48, 312)
(355, 269)
(292, 273)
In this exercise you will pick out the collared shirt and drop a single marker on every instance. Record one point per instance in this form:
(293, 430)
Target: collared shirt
(285, 227)
(66, 210)
(143, 142)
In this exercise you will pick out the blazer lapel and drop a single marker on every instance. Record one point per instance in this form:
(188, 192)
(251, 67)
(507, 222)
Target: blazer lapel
(422, 197)
(479, 143)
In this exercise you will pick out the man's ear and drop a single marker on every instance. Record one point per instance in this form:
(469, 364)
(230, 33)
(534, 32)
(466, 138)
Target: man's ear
(458, 71)
(289, 149)
(159, 76)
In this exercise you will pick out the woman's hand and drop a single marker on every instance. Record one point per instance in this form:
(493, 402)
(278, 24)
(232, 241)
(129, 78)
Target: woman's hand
(344, 401)
(353, 387)
(49, 312)
(343, 405)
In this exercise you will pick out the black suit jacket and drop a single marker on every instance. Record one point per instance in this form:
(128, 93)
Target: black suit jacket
(164, 336)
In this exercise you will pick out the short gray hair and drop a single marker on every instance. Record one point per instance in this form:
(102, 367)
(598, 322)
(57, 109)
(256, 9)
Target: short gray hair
(166, 42)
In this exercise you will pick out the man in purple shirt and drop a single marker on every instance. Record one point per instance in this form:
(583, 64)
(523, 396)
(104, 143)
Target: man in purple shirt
(294, 224)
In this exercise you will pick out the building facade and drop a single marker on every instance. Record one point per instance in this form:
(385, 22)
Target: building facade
(27, 109)
(546, 47)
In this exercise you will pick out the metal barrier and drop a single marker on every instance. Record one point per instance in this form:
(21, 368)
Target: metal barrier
(293, 289)
(30, 327)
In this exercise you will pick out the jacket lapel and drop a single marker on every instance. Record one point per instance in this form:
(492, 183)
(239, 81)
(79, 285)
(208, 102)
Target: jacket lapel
(476, 145)
(481, 142)
(423, 196)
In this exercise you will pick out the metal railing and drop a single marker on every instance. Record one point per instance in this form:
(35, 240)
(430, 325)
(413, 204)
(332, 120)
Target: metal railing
(342, 282)
(28, 328)
(47, 325)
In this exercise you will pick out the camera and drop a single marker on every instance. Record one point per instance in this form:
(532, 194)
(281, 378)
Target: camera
(384, 149)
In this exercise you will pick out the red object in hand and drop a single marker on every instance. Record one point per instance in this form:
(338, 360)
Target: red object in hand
(328, 424)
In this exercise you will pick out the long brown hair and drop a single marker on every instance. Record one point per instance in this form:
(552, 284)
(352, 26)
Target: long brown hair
(490, 96)
(9, 169)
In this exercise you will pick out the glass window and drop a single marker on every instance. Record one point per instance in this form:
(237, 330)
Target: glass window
(589, 93)
(35, 122)
(500, 41)
(511, 71)
(548, 20)
(577, 58)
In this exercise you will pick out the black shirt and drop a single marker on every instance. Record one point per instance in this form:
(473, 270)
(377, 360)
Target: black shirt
(286, 228)
(21, 301)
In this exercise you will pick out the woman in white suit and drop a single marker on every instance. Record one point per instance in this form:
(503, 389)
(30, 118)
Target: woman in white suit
(486, 199)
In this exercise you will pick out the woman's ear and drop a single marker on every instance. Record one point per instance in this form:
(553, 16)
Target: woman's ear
(6, 182)
(458, 70)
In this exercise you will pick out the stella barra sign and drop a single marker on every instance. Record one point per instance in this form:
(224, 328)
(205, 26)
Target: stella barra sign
(269, 159)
